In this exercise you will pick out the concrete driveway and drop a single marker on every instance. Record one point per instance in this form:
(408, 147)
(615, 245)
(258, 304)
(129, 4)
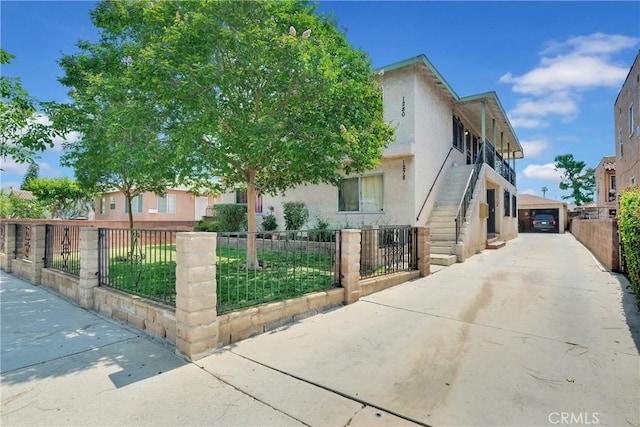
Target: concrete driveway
(535, 333)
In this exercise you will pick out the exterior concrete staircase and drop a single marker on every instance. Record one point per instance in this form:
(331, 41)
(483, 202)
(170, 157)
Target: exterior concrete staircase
(442, 223)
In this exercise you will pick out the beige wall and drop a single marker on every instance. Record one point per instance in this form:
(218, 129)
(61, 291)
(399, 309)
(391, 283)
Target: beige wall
(604, 173)
(628, 162)
(600, 236)
(185, 207)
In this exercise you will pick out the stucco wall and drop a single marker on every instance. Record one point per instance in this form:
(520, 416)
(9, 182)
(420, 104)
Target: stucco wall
(600, 236)
(628, 165)
(185, 207)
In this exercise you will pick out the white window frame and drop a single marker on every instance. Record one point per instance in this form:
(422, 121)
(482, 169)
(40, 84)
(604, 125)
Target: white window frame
(361, 199)
(103, 203)
(621, 143)
(112, 203)
(164, 204)
(631, 126)
(136, 204)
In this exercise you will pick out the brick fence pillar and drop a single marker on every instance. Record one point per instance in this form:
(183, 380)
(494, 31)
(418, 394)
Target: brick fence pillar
(36, 252)
(196, 314)
(9, 247)
(424, 251)
(88, 266)
(350, 265)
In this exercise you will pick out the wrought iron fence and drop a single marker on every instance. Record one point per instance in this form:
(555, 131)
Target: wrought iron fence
(388, 250)
(3, 235)
(287, 264)
(23, 241)
(62, 248)
(139, 262)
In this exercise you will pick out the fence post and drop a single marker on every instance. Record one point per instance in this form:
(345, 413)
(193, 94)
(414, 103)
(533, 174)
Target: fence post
(36, 256)
(424, 251)
(9, 247)
(196, 314)
(350, 265)
(88, 266)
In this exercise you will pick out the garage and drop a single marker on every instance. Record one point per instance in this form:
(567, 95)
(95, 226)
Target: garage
(539, 215)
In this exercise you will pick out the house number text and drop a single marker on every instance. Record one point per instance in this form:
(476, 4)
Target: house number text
(403, 106)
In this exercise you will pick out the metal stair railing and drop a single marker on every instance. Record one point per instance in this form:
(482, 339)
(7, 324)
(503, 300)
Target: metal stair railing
(434, 183)
(464, 204)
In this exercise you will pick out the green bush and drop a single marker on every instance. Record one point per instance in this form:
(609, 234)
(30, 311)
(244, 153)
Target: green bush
(321, 232)
(629, 226)
(231, 216)
(209, 226)
(296, 215)
(269, 222)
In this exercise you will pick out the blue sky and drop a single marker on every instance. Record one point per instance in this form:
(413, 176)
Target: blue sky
(557, 66)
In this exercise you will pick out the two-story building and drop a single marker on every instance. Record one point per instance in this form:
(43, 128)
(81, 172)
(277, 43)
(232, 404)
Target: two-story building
(451, 166)
(627, 128)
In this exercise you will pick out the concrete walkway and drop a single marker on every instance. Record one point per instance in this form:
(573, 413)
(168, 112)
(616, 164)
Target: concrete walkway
(535, 333)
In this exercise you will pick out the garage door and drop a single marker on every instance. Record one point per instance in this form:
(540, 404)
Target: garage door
(539, 220)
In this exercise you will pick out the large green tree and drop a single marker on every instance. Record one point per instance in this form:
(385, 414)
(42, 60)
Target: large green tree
(263, 96)
(580, 181)
(122, 146)
(23, 131)
(62, 196)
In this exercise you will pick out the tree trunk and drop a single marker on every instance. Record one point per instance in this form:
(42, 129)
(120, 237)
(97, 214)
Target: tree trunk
(252, 256)
(129, 198)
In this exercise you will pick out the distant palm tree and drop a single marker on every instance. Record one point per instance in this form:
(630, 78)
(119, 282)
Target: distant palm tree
(544, 191)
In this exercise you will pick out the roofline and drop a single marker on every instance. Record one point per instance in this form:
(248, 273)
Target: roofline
(421, 59)
(637, 58)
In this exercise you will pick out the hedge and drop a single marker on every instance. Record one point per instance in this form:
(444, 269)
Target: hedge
(629, 226)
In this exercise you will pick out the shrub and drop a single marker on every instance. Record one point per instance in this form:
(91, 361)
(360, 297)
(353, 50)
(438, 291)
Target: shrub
(296, 215)
(629, 226)
(321, 232)
(209, 226)
(231, 216)
(269, 222)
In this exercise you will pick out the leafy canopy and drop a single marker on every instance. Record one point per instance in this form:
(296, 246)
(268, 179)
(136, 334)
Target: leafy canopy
(23, 132)
(62, 196)
(575, 177)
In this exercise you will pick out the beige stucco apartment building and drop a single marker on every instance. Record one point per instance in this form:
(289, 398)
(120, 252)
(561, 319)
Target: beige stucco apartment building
(424, 173)
(627, 128)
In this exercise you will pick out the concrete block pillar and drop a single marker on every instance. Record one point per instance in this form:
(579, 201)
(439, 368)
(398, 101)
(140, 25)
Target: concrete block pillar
(9, 246)
(424, 251)
(36, 251)
(88, 266)
(196, 314)
(350, 265)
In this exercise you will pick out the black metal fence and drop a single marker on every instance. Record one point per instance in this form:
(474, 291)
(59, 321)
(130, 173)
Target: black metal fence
(62, 248)
(23, 241)
(139, 262)
(388, 250)
(287, 264)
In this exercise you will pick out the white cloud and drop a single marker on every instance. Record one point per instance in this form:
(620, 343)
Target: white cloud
(567, 69)
(8, 165)
(535, 147)
(546, 172)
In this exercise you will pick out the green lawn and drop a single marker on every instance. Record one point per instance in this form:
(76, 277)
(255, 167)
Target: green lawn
(151, 273)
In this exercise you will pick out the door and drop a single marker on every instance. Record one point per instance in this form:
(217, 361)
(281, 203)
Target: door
(201, 207)
(491, 221)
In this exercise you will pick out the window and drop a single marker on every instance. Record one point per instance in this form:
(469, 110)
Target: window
(514, 206)
(136, 205)
(507, 203)
(167, 204)
(361, 194)
(241, 197)
(102, 204)
(112, 202)
(631, 120)
(621, 143)
(458, 134)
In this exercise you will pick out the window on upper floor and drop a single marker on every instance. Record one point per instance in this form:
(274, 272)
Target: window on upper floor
(612, 188)
(167, 204)
(361, 194)
(621, 143)
(631, 120)
(112, 202)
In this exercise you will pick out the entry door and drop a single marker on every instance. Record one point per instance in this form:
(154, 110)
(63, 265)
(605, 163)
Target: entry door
(491, 201)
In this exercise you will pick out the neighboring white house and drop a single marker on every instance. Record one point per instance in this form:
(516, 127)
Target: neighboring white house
(423, 174)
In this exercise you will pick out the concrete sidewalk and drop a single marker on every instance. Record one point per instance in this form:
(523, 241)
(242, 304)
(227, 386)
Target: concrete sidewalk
(532, 334)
